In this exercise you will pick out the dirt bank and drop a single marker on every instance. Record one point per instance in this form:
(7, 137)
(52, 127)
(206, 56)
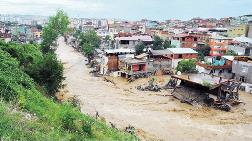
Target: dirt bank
(154, 115)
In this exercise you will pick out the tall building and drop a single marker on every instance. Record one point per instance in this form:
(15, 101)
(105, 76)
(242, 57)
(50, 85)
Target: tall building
(237, 31)
(219, 45)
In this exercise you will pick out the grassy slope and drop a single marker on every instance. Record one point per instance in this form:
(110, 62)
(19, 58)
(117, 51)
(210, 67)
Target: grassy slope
(55, 121)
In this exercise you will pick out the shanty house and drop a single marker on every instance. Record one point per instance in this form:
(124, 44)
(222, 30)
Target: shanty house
(219, 45)
(129, 67)
(242, 68)
(111, 58)
(242, 46)
(178, 54)
(218, 66)
(187, 40)
(131, 41)
(160, 60)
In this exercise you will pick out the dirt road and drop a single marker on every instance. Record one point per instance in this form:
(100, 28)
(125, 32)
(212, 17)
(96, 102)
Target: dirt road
(155, 116)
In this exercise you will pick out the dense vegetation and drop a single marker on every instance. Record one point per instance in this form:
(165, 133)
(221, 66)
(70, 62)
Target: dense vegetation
(160, 44)
(89, 41)
(231, 53)
(140, 48)
(45, 69)
(203, 52)
(25, 75)
(58, 25)
(187, 66)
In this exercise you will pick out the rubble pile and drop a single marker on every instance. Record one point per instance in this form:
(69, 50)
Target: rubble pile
(130, 129)
(171, 84)
(139, 75)
(167, 72)
(151, 87)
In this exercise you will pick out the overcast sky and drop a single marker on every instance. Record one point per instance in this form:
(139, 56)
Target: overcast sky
(130, 9)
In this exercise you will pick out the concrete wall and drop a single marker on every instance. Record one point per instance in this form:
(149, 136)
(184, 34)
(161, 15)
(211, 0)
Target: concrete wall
(183, 56)
(218, 46)
(175, 43)
(159, 65)
(175, 62)
(225, 73)
(131, 44)
(104, 65)
(250, 31)
(240, 50)
(241, 30)
(242, 69)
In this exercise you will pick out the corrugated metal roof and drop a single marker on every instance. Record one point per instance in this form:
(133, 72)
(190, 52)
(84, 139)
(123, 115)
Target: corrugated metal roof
(231, 58)
(243, 40)
(120, 51)
(134, 61)
(160, 52)
(182, 51)
(135, 38)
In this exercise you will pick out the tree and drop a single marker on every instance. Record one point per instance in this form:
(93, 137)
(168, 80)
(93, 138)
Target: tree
(89, 41)
(203, 51)
(187, 66)
(39, 27)
(140, 48)
(157, 43)
(167, 44)
(107, 38)
(48, 73)
(231, 53)
(57, 25)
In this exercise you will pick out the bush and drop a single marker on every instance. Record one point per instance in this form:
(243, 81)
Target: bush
(48, 73)
(46, 70)
(140, 48)
(206, 84)
(187, 66)
(203, 51)
(53, 121)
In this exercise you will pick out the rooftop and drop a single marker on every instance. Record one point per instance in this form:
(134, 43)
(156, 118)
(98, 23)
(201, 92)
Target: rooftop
(201, 79)
(136, 38)
(112, 51)
(218, 37)
(182, 51)
(160, 52)
(134, 61)
(243, 40)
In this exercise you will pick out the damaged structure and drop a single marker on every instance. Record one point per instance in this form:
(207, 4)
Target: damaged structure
(111, 58)
(204, 89)
(219, 65)
(242, 69)
(129, 67)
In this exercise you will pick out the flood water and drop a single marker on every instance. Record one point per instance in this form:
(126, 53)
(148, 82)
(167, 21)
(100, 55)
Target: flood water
(153, 115)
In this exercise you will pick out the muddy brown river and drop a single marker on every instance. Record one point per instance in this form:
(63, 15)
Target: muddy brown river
(155, 116)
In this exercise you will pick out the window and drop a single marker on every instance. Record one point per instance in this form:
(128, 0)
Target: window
(124, 42)
(180, 56)
(242, 79)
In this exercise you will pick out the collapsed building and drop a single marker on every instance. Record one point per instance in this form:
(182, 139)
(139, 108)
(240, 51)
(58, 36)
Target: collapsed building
(204, 89)
(111, 58)
(131, 67)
